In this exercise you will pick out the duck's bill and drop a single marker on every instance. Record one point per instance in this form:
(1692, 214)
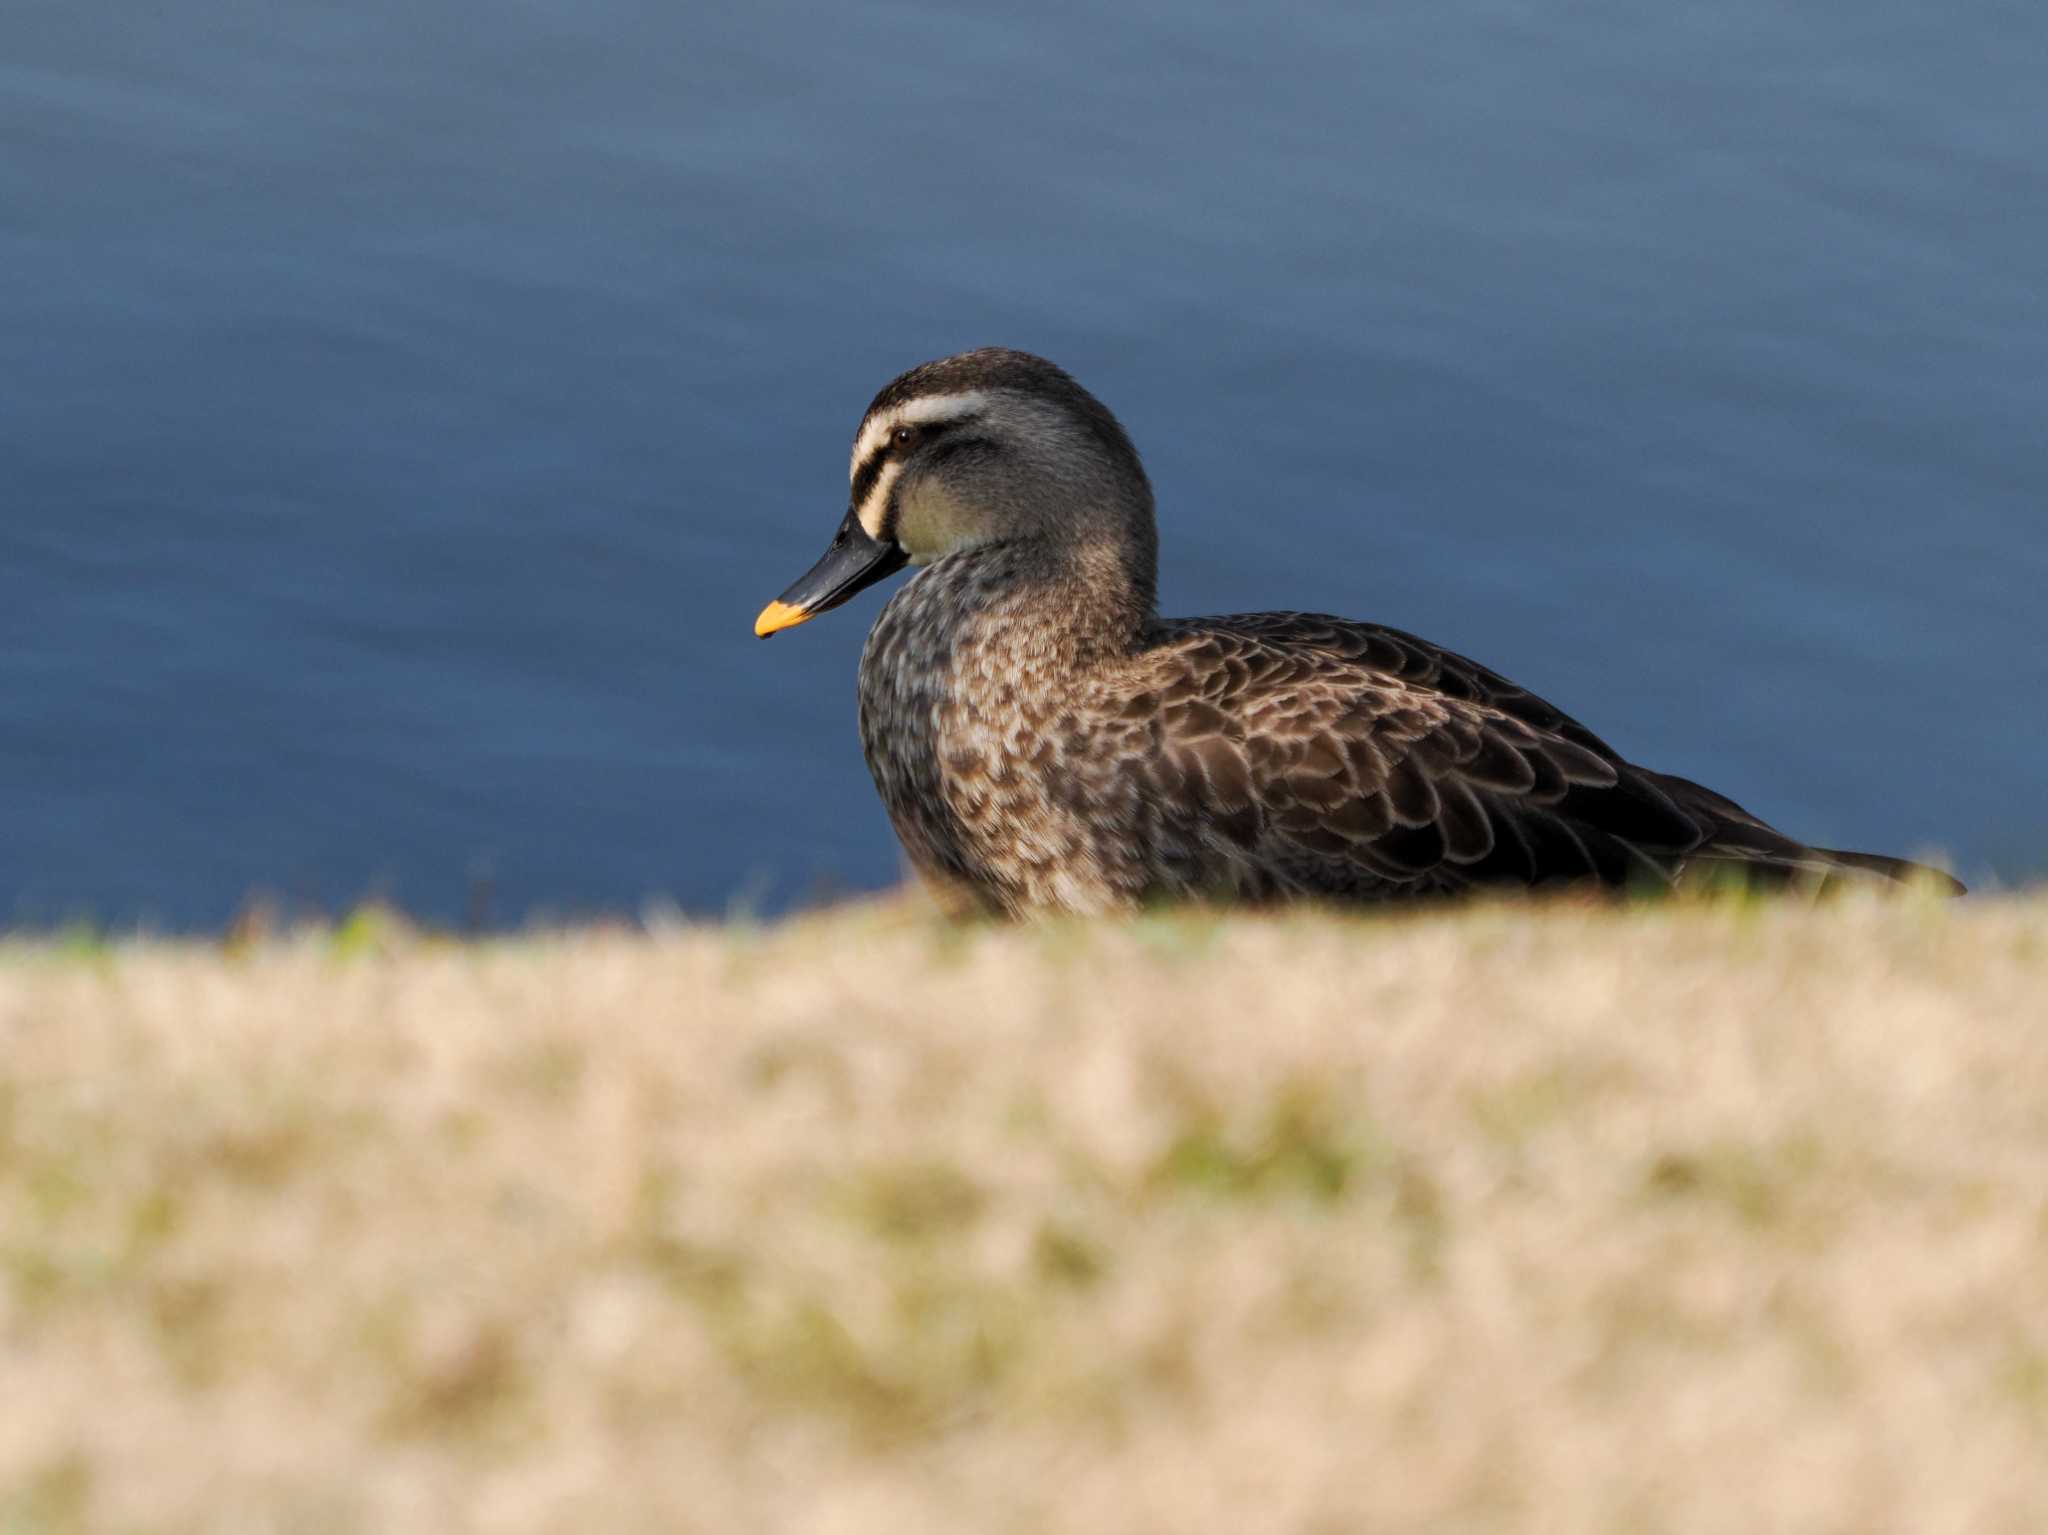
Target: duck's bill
(853, 563)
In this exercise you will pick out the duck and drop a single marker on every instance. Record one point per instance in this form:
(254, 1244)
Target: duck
(1044, 741)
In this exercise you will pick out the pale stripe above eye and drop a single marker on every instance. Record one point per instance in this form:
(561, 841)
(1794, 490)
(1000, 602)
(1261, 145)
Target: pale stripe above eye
(931, 410)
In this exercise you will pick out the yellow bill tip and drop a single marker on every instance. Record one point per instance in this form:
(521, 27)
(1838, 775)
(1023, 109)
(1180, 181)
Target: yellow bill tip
(779, 615)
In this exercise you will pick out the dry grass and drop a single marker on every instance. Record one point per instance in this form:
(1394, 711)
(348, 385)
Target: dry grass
(1672, 1219)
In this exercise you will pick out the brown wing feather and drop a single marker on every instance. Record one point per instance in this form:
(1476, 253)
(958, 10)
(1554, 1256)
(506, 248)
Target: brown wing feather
(1357, 760)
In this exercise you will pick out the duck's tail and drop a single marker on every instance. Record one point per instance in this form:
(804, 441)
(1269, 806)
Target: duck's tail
(1743, 848)
(1823, 867)
(1903, 870)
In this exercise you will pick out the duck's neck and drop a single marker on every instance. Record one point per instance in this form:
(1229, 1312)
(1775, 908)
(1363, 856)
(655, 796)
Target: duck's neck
(1080, 603)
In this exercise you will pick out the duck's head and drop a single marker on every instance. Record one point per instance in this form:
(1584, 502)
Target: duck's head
(983, 448)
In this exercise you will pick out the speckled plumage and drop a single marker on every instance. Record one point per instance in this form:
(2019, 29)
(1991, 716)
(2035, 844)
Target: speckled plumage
(1043, 740)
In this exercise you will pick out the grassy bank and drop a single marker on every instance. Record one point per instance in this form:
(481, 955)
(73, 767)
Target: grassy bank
(1688, 1218)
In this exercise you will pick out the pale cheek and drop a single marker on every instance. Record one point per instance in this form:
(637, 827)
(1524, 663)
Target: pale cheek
(932, 525)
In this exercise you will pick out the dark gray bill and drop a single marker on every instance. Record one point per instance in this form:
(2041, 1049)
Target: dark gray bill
(853, 562)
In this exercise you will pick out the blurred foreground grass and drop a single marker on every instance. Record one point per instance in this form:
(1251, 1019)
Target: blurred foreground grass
(1670, 1218)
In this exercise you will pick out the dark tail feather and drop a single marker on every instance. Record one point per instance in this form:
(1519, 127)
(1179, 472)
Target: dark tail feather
(1738, 842)
(1903, 870)
(1823, 868)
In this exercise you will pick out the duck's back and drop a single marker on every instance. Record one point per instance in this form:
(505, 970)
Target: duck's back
(1355, 761)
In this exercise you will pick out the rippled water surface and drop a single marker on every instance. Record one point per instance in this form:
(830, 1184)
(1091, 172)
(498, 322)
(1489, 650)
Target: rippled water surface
(407, 407)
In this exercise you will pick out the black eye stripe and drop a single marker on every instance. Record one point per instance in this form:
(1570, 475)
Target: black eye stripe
(871, 470)
(864, 478)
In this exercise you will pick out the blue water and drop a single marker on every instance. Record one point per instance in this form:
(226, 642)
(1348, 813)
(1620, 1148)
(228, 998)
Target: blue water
(405, 408)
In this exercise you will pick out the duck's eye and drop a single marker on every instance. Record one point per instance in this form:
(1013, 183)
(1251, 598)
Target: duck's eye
(904, 437)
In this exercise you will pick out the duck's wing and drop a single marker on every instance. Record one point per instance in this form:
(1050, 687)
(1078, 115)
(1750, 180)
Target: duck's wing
(1349, 758)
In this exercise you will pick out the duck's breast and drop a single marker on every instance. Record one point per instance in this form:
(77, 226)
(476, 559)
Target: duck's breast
(987, 746)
